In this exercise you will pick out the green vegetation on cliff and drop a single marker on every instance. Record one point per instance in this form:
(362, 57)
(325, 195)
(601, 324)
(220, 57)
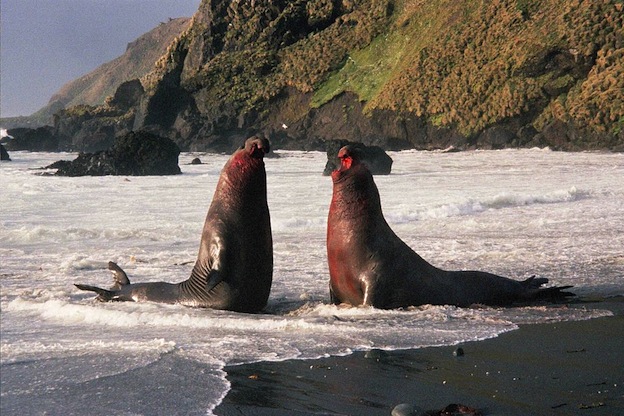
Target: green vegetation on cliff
(459, 65)
(425, 73)
(469, 65)
(244, 54)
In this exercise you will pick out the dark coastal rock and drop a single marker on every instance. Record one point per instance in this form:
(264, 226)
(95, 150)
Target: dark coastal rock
(375, 158)
(496, 137)
(41, 139)
(558, 135)
(526, 134)
(127, 95)
(196, 161)
(136, 153)
(85, 128)
(4, 155)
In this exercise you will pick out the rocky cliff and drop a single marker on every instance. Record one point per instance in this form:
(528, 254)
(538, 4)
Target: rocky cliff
(399, 74)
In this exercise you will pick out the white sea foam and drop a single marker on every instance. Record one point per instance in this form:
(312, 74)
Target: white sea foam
(515, 213)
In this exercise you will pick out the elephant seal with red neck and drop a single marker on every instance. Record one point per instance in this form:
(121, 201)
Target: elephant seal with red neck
(370, 265)
(234, 267)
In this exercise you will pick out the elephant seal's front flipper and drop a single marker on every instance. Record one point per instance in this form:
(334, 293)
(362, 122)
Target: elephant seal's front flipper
(214, 278)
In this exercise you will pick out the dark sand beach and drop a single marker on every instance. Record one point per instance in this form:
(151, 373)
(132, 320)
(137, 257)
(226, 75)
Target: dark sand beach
(563, 368)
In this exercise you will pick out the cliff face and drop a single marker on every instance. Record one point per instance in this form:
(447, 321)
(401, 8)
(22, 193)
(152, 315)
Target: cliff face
(411, 73)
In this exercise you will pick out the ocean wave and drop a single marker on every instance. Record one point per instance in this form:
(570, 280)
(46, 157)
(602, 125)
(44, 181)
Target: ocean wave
(40, 233)
(12, 352)
(431, 314)
(473, 206)
(81, 263)
(134, 315)
(298, 223)
(546, 313)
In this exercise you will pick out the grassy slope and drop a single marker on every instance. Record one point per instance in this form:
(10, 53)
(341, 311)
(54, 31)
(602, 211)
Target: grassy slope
(472, 64)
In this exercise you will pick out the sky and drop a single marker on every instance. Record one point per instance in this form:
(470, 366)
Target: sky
(46, 43)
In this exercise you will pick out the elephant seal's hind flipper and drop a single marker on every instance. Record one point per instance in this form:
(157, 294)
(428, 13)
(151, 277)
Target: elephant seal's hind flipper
(103, 294)
(119, 279)
(534, 291)
(119, 276)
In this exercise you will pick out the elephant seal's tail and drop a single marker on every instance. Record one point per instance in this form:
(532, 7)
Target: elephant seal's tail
(106, 295)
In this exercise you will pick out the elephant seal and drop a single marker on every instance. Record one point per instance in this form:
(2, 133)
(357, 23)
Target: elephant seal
(234, 267)
(370, 265)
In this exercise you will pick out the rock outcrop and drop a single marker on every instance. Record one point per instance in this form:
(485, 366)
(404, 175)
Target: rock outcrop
(41, 139)
(4, 155)
(374, 157)
(136, 153)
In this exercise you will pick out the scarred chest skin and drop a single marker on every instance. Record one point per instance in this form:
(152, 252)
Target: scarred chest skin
(348, 250)
(345, 283)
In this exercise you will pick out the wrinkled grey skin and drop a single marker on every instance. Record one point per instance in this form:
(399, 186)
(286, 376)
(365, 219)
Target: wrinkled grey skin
(234, 267)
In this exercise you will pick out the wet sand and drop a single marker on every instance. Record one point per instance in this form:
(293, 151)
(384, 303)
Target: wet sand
(563, 368)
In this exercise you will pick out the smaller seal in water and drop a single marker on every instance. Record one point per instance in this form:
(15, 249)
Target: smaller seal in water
(234, 267)
(370, 265)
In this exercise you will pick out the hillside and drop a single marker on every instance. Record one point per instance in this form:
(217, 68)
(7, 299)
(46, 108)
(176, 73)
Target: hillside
(93, 88)
(411, 73)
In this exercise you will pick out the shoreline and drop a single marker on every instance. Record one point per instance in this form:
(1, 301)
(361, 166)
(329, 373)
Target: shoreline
(560, 368)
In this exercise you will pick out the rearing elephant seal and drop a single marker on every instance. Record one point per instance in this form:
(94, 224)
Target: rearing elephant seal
(234, 267)
(370, 265)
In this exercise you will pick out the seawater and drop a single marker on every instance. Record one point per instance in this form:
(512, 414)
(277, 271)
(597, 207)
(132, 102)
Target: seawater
(511, 212)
